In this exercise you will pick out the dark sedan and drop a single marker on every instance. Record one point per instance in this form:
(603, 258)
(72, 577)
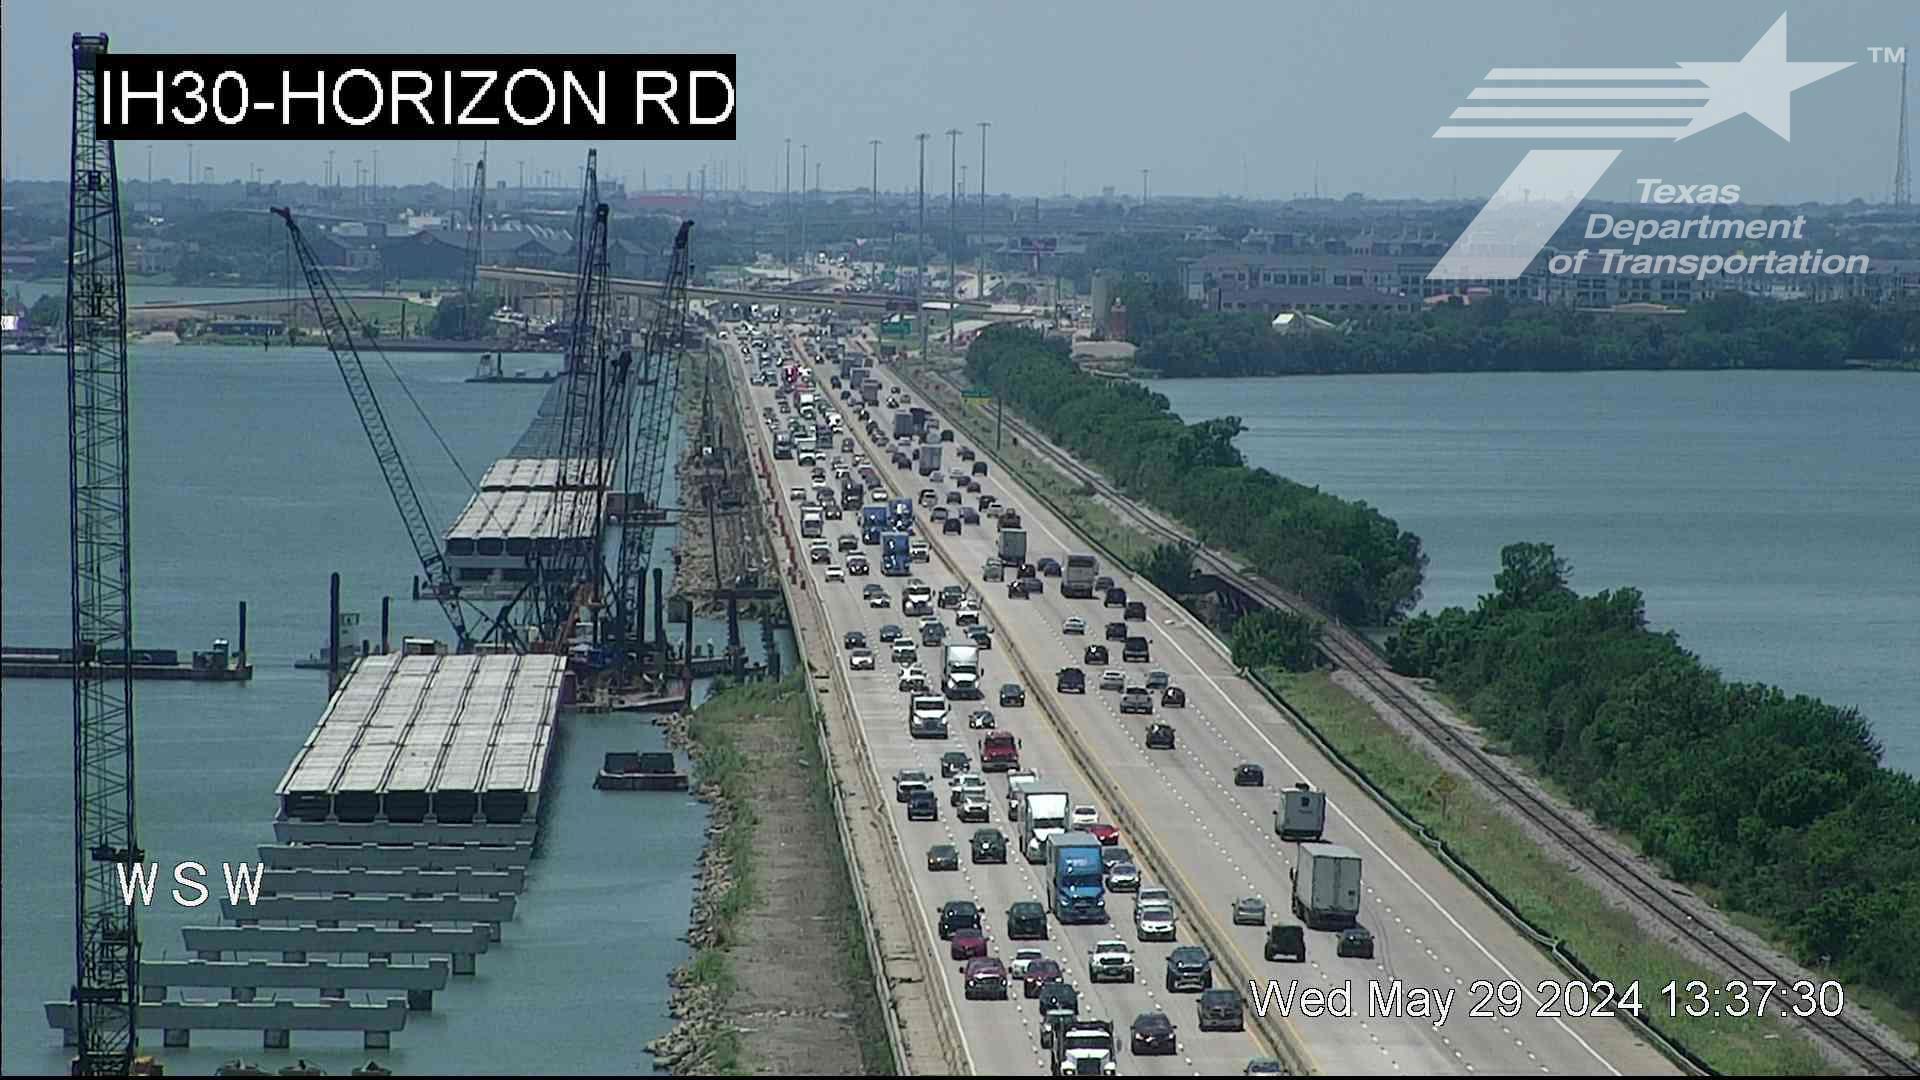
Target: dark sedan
(1153, 1033)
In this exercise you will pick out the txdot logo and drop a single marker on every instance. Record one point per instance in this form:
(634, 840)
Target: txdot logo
(1543, 190)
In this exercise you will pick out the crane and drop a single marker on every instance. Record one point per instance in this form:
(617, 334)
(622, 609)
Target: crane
(106, 943)
(473, 319)
(339, 331)
(647, 435)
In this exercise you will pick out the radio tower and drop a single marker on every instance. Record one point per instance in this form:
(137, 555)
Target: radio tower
(1902, 167)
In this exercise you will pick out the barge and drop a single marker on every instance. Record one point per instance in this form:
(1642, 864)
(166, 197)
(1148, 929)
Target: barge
(218, 664)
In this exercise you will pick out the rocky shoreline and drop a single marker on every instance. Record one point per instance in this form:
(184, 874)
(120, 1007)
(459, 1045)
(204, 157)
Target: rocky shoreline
(686, 1049)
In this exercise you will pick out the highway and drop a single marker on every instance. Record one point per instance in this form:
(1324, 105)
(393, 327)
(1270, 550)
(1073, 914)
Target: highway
(1431, 931)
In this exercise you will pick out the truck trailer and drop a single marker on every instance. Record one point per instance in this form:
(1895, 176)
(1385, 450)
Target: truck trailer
(1326, 885)
(960, 671)
(1013, 547)
(1042, 814)
(1302, 814)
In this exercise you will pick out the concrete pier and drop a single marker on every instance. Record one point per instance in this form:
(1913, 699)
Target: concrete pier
(362, 909)
(387, 832)
(396, 857)
(293, 943)
(275, 1020)
(246, 977)
(394, 882)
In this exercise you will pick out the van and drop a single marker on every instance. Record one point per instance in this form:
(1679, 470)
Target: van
(1135, 651)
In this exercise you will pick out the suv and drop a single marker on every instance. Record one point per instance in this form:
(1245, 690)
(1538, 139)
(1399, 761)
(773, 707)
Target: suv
(1286, 940)
(1135, 611)
(1027, 921)
(1117, 631)
(1136, 701)
(1011, 695)
(1094, 654)
(1116, 597)
(989, 846)
(1189, 968)
(1221, 1010)
(1159, 736)
(922, 806)
(958, 915)
(1071, 681)
(1134, 651)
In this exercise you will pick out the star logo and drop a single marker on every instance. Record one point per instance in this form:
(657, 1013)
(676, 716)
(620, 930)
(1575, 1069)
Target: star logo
(1760, 84)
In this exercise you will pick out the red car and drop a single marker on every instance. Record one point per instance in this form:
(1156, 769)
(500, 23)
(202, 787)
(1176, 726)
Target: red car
(986, 978)
(1106, 834)
(968, 944)
(1039, 973)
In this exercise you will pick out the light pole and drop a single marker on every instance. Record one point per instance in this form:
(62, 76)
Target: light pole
(875, 143)
(980, 287)
(920, 248)
(787, 187)
(805, 259)
(953, 219)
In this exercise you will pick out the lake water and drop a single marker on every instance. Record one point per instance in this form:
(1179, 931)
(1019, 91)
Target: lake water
(1772, 519)
(253, 480)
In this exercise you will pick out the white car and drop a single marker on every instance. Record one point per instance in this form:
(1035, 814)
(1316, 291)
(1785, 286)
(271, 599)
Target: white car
(1154, 921)
(1074, 625)
(835, 573)
(969, 783)
(912, 678)
(1110, 961)
(1112, 680)
(1084, 816)
(905, 652)
(860, 660)
(1017, 969)
(796, 494)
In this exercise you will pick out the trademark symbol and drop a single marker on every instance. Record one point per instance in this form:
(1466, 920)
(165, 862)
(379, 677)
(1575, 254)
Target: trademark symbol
(1881, 54)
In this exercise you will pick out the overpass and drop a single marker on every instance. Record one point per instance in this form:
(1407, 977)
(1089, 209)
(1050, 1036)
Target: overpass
(521, 282)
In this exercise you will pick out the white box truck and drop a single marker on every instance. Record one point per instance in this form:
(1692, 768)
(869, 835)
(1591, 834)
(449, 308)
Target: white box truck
(960, 671)
(1326, 885)
(1042, 814)
(1302, 814)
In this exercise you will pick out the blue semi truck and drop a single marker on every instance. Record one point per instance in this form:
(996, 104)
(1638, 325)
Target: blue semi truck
(896, 554)
(1076, 884)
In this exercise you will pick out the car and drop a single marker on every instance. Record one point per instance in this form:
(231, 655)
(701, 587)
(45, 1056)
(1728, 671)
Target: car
(1173, 698)
(1110, 961)
(854, 639)
(836, 573)
(981, 636)
(1250, 911)
(1153, 1034)
(1112, 680)
(796, 494)
(988, 846)
(1286, 940)
(956, 497)
(1136, 611)
(847, 542)
(979, 468)
(1159, 736)
(1221, 1010)
(980, 720)
(1017, 967)
(904, 651)
(1123, 877)
(939, 514)
(1101, 584)
(1154, 920)
(1116, 631)
(1265, 1067)
(932, 632)
(906, 777)
(1071, 681)
(969, 615)
(1039, 974)
(1356, 941)
(1108, 835)
(1027, 921)
(950, 527)
(958, 915)
(1094, 654)
(1114, 597)
(1189, 969)
(912, 679)
(1082, 817)
(877, 598)
(971, 783)
(819, 553)
(1158, 680)
(922, 806)
(966, 944)
(973, 808)
(1074, 625)
(889, 632)
(1012, 696)
(1137, 701)
(860, 660)
(1113, 853)
(1049, 567)
(1058, 997)
(1247, 774)
(943, 857)
(955, 762)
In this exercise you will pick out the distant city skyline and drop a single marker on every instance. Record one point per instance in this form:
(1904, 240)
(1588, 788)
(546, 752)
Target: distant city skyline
(1261, 99)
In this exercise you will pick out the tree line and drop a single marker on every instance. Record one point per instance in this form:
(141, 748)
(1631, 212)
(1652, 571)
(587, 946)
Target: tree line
(1344, 556)
(1778, 802)
(1730, 330)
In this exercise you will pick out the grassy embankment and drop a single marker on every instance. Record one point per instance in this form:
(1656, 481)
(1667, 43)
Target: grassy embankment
(1606, 938)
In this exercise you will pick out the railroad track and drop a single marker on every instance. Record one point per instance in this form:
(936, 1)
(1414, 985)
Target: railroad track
(1348, 650)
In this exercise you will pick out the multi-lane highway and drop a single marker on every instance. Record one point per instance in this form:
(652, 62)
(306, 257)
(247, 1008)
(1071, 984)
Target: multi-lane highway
(1432, 933)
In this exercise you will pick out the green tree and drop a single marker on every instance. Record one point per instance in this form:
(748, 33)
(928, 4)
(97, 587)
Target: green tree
(1170, 566)
(47, 312)
(449, 319)
(1528, 574)
(1270, 637)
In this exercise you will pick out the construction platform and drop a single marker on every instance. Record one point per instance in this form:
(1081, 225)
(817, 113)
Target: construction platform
(217, 664)
(411, 741)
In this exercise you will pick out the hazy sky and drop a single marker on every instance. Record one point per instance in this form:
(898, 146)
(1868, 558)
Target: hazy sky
(1219, 97)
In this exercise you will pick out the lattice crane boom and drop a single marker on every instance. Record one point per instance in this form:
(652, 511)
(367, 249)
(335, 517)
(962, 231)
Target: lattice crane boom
(106, 933)
(386, 451)
(473, 319)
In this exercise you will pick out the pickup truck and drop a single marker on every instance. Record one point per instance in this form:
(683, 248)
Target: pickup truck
(1110, 961)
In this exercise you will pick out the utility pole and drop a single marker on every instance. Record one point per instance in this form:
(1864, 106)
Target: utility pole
(920, 249)
(875, 143)
(1902, 164)
(980, 286)
(805, 259)
(1143, 186)
(953, 219)
(786, 234)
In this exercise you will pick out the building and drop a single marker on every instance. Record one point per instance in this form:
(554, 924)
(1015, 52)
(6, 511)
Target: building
(1345, 301)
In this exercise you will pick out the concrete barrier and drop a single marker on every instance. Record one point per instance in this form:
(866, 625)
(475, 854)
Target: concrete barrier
(386, 832)
(276, 1020)
(246, 977)
(355, 856)
(462, 882)
(293, 943)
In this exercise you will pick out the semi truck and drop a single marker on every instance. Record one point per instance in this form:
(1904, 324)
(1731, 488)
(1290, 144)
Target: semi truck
(870, 392)
(873, 522)
(1076, 581)
(812, 524)
(896, 560)
(1301, 815)
(900, 513)
(960, 671)
(903, 427)
(1076, 878)
(1013, 547)
(927, 459)
(1042, 814)
(1083, 1047)
(1326, 885)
